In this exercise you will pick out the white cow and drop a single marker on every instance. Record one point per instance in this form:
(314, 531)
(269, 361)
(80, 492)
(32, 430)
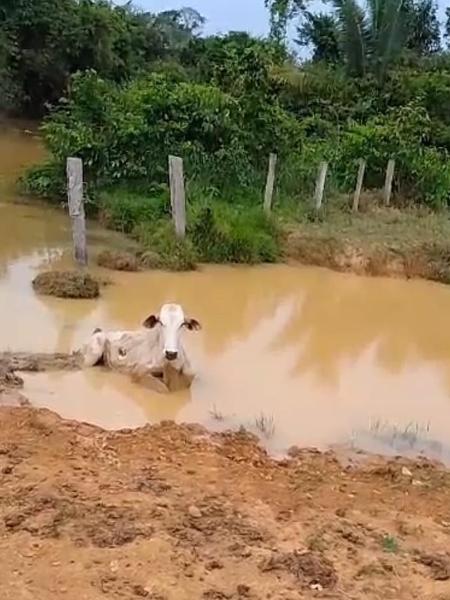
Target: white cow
(153, 355)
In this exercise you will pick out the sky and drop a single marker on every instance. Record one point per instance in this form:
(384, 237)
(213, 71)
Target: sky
(237, 15)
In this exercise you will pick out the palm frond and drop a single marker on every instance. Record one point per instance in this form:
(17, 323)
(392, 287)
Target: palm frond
(355, 35)
(391, 35)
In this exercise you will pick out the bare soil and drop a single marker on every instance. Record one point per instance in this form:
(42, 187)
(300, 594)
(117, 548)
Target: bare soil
(173, 512)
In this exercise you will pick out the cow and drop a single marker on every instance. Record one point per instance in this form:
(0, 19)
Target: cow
(153, 355)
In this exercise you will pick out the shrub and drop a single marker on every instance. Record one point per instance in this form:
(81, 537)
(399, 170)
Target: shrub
(216, 234)
(424, 172)
(123, 210)
(47, 181)
(236, 235)
(160, 239)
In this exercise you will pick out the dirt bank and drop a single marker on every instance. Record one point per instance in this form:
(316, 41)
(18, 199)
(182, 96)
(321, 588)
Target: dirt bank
(169, 512)
(379, 241)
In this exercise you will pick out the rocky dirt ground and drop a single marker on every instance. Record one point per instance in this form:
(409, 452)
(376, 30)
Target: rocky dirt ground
(171, 512)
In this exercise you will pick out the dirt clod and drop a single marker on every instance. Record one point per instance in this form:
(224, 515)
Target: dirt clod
(309, 568)
(195, 512)
(67, 284)
(439, 565)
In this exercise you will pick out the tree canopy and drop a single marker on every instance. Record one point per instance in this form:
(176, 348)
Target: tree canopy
(123, 87)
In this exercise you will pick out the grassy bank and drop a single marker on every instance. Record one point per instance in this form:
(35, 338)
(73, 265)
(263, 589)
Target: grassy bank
(408, 242)
(217, 232)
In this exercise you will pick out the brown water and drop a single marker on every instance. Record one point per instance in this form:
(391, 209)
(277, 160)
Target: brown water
(323, 358)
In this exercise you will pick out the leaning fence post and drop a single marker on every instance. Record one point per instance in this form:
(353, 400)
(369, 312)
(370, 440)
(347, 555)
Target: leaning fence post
(320, 184)
(177, 195)
(76, 208)
(268, 195)
(388, 182)
(359, 184)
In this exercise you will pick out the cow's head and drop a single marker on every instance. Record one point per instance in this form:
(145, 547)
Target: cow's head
(172, 321)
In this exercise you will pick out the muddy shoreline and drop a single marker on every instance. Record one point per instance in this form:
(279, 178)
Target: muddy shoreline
(174, 512)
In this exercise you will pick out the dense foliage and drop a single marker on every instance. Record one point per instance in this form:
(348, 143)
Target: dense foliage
(128, 88)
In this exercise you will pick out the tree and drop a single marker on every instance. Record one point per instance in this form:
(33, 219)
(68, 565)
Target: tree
(424, 35)
(281, 12)
(180, 26)
(447, 26)
(373, 39)
(320, 32)
(44, 42)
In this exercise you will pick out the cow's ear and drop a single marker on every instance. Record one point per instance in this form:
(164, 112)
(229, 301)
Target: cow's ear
(151, 322)
(192, 324)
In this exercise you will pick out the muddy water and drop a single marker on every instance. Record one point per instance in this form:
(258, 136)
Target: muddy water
(302, 355)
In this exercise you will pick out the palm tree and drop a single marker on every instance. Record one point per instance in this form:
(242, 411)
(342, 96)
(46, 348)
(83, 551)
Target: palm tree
(373, 38)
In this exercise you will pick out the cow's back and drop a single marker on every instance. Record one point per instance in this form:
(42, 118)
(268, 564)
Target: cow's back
(128, 350)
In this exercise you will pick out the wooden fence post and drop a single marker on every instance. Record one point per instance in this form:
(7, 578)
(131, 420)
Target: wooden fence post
(359, 184)
(268, 195)
(320, 185)
(76, 209)
(177, 195)
(388, 182)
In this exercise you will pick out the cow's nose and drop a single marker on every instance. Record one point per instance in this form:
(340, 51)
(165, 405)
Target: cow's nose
(171, 355)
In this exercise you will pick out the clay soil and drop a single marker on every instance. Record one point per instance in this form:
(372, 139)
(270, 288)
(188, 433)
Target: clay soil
(172, 512)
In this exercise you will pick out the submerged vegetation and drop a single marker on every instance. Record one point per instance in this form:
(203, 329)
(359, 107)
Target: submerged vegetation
(123, 89)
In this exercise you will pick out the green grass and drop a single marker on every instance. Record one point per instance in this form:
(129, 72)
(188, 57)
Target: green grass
(123, 209)
(390, 544)
(217, 232)
(374, 225)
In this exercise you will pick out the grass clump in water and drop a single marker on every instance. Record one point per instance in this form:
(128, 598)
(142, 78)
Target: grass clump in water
(66, 284)
(118, 260)
(265, 424)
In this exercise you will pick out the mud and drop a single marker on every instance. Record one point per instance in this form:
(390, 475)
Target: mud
(35, 363)
(66, 284)
(171, 512)
(422, 260)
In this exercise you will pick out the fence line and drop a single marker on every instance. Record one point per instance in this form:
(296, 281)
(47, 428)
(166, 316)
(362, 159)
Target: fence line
(74, 170)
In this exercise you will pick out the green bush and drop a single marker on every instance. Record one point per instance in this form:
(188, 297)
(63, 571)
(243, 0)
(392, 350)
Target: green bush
(124, 134)
(159, 237)
(402, 134)
(234, 234)
(123, 210)
(216, 234)
(47, 180)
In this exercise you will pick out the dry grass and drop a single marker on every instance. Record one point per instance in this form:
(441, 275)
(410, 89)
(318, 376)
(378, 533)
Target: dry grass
(216, 414)
(67, 284)
(406, 243)
(118, 260)
(265, 425)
